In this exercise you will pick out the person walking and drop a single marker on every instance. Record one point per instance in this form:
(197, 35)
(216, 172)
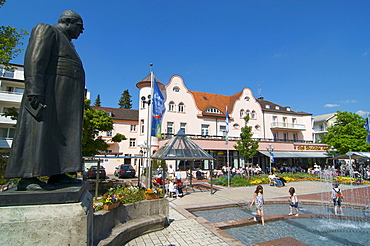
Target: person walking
(337, 197)
(259, 201)
(293, 202)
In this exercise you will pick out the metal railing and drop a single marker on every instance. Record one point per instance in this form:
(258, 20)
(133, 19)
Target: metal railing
(288, 125)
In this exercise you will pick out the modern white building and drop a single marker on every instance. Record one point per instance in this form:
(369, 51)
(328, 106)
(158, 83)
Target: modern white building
(11, 92)
(321, 123)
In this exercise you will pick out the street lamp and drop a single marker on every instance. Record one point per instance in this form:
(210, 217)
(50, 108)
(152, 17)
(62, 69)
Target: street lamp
(270, 149)
(332, 149)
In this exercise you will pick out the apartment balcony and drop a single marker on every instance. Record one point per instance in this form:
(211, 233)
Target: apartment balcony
(7, 96)
(7, 120)
(288, 126)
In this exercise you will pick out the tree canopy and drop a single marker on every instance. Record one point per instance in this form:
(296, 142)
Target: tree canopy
(347, 134)
(246, 145)
(10, 39)
(125, 100)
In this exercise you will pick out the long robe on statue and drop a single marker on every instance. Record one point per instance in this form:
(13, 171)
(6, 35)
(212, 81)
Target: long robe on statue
(51, 144)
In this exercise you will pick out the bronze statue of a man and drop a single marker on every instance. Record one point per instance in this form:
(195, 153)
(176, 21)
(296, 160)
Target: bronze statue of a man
(49, 129)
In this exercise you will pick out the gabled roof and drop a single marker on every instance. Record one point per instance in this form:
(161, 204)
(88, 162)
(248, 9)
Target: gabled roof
(120, 113)
(205, 101)
(181, 147)
(323, 117)
(273, 107)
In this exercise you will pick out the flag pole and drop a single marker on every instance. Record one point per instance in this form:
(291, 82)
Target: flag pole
(227, 147)
(149, 127)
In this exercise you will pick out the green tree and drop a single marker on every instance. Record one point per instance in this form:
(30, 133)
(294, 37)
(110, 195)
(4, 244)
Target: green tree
(10, 38)
(246, 145)
(95, 121)
(97, 101)
(125, 100)
(347, 134)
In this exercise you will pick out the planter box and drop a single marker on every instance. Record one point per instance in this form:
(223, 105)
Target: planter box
(151, 196)
(111, 206)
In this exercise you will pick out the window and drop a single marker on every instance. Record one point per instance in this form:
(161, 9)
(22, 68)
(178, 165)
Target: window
(5, 73)
(294, 121)
(222, 128)
(213, 110)
(285, 137)
(132, 128)
(275, 136)
(236, 126)
(267, 106)
(132, 142)
(176, 89)
(257, 127)
(181, 107)
(277, 107)
(170, 128)
(7, 133)
(247, 112)
(171, 106)
(295, 138)
(109, 114)
(241, 113)
(142, 103)
(284, 121)
(142, 126)
(18, 90)
(253, 115)
(321, 127)
(204, 130)
(183, 127)
(109, 133)
(274, 120)
(246, 98)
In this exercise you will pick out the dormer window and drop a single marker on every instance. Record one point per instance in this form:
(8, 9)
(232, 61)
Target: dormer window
(267, 106)
(287, 109)
(213, 110)
(277, 107)
(176, 89)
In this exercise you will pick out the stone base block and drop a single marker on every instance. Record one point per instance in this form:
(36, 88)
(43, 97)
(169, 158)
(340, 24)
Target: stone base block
(48, 224)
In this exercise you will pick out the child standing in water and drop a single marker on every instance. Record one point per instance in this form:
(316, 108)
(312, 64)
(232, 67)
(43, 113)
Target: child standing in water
(293, 202)
(258, 200)
(337, 199)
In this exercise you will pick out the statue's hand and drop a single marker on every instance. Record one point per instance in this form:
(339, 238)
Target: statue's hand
(35, 101)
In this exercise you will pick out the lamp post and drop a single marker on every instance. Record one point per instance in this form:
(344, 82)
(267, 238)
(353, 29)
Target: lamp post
(332, 150)
(147, 100)
(270, 149)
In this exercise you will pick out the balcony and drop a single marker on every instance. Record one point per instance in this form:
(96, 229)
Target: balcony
(7, 96)
(7, 120)
(288, 126)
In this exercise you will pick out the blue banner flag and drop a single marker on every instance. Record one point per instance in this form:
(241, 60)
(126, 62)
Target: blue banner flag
(158, 111)
(367, 127)
(227, 125)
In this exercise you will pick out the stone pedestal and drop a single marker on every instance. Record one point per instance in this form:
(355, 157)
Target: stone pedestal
(60, 217)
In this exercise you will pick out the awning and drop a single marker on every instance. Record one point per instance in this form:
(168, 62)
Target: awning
(295, 154)
(354, 155)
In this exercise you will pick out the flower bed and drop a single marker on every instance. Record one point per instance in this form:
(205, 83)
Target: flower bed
(119, 194)
(238, 180)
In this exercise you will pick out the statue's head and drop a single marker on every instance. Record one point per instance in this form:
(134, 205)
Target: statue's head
(72, 23)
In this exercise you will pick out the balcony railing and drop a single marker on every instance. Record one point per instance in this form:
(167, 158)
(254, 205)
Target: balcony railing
(214, 137)
(292, 126)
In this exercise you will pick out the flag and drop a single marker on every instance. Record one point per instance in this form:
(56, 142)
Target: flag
(367, 127)
(158, 111)
(227, 125)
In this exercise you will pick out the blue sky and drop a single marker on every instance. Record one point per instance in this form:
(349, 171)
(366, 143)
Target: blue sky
(310, 55)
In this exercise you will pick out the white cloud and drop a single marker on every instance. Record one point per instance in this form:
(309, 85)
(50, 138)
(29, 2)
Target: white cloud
(366, 52)
(349, 101)
(331, 105)
(363, 113)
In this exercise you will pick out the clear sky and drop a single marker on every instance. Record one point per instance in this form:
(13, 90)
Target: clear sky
(310, 55)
